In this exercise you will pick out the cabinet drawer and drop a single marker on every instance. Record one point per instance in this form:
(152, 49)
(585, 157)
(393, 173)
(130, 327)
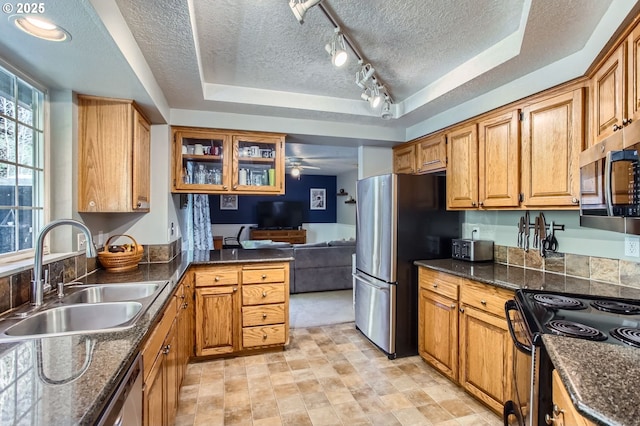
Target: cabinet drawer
(219, 276)
(485, 297)
(439, 282)
(254, 276)
(262, 293)
(262, 315)
(263, 336)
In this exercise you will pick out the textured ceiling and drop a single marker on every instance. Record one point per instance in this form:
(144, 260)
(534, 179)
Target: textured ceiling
(439, 59)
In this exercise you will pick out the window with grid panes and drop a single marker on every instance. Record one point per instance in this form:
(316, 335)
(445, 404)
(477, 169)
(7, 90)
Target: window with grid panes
(21, 164)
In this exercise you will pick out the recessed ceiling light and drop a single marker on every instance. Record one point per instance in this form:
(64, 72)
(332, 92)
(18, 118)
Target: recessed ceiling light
(40, 27)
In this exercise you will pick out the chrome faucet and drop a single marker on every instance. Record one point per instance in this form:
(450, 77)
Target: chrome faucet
(36, 293)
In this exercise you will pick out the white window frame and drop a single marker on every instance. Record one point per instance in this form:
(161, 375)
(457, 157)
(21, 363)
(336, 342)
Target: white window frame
(7, 258)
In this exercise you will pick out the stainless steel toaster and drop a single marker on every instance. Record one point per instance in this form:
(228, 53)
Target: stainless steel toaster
(472, 250)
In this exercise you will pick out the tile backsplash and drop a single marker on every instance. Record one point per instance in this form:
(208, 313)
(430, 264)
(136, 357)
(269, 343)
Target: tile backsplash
(615, 271)
(14, 289)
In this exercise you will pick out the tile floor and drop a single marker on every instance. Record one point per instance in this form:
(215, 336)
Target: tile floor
(327, 376)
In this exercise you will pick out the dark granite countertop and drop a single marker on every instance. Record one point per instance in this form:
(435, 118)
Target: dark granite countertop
(68, 380)
(601, 378)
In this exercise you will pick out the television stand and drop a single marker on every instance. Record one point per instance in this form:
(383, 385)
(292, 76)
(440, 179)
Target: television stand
(293, 236)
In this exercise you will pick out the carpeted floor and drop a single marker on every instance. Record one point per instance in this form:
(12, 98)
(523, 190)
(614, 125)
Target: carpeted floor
(322, 308)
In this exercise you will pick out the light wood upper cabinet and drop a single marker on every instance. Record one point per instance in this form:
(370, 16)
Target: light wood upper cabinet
(431, 153)
(227, 162)
(113, 156)
(404, 159)
(462, 173)
(499, 160)
(552, 138)
(609, 99)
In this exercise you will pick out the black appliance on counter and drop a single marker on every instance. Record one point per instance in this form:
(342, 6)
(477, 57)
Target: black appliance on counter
(536, 312)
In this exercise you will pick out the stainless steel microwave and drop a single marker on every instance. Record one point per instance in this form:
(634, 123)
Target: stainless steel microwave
(610, 185)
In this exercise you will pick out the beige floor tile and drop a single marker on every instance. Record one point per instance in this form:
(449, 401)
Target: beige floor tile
(299, 418)
(410, 416)
(332, 384)
(384, 419)
(265, 410)
(291, 404)
(395, 401)
(278, 367)
(350, 413)
(324, 416)
(257, 370)
(281, 378)
(237, 416)
(285, 390)
(271, 421)
(418, 397)
(435, 413)
(315, 400)
(187, 407)
(185, 420)
(254, 360)
(340, 397)
(210, 419)
(236, 385)
(456, 407)
(237, 399)
(309, 386)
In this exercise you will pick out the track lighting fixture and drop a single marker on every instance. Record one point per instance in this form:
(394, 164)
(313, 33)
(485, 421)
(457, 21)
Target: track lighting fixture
(386, 113)
(363, 76)
(337, 49)
(299, 8)
(372, 95)
(373, 90)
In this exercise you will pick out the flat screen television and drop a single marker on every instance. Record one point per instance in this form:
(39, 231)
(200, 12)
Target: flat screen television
(280, 214)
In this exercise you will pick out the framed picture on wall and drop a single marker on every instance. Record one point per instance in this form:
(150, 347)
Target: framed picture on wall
(228, 202)
(318, 199)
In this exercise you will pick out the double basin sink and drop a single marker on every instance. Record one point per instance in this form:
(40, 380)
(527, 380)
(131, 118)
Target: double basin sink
(85, 309)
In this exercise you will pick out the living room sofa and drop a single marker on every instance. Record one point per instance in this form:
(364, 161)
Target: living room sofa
(322, 266)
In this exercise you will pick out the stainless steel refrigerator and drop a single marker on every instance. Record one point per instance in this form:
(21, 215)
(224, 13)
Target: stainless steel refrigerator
(400, 219)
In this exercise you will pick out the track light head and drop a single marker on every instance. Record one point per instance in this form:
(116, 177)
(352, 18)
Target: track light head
(386, 113)
(363, 76)
(337, 49)
(299, 9)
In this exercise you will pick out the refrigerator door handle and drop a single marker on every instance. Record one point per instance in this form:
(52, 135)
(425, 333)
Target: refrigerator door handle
(368, 281)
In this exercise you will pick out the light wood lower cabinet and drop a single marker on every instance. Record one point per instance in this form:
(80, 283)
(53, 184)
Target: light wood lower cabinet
(564, 412)
(438, 321)
(466, 337)
(164, 357)
(241, 307)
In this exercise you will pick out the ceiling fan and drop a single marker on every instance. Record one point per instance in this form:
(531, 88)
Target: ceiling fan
(296, 165)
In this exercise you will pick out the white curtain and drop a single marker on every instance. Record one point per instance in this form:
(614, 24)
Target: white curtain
(199, 222)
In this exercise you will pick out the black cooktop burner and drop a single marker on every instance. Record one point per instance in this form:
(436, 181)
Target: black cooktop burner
(575, 329)
(628, 335)
(558, 301)
(616, 307)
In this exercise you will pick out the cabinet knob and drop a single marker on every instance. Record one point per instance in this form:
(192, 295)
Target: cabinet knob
(264, 336)
(92, 203)
(235, 187)
(626, 121)
(225, 187)
(616, 127)
(484, 302)
(264, 276)
(185, 305)
(139, 204)
(453, 306)
(461, 310)
(574, 200)
(264, 316)
(264, 294)
(183, 297)
(235, 289)
(217, 278)
(435, 286)
(473, 204)
(166, 350)
(481, 203)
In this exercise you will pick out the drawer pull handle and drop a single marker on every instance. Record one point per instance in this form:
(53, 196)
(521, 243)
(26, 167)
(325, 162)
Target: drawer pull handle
(264, 276)
(217, 278)
(484, 302)
(264, 336)
(264, 294)
(264, 316)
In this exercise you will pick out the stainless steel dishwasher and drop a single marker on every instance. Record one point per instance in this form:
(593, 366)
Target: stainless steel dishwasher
(125, 407)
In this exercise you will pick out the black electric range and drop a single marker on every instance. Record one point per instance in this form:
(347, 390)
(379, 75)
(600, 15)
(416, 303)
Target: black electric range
(598, 318)
(608, 320)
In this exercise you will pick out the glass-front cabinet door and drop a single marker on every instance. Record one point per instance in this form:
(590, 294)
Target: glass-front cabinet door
(227, 162)
(204, 161)
(258, 163)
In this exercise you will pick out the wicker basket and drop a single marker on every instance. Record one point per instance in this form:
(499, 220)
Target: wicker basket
(120, 262)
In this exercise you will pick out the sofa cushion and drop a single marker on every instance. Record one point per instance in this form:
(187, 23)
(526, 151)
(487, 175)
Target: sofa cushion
(322, 257)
